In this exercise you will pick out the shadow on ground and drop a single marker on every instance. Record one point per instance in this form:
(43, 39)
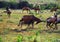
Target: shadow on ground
(41, 31)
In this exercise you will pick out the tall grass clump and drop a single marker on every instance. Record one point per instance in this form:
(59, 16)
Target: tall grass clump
(31, 38)
(0, 39)
(35, 39)
(9, 21)
(56, 40)
(19, 38)
(6, 30)
(1, 19)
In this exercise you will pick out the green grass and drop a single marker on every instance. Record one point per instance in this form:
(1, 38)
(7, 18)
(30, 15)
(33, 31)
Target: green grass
(19, 38)
(34, 1)
(1, 19)
(0, 39)
(29, 35)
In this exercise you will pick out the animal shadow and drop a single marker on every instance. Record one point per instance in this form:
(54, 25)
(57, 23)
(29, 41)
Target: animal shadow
(22, 30)
(52, 31)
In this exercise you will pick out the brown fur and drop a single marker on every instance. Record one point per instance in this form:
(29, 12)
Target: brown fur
(52, 21)
(26, 8)
(29, 19)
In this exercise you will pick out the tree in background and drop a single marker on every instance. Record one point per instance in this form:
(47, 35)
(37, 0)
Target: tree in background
(23, 4)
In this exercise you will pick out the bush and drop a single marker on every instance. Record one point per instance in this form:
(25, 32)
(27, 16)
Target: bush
(23, 4)
(13, 5)
(51, 5)
(3, 4)
(31, 6)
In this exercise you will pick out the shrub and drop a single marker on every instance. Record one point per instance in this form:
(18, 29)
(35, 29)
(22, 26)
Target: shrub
(23, 4)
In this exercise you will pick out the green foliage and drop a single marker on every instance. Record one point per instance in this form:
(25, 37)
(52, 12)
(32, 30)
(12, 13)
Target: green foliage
(6, 31)
(47, 6)
(51, 5)
(29, 37)
(58, 12)
(56, 40)
(19, 38)
(13, 1)
(37, 33)
(1, 19)
(9, 21)
(58, 6)
(3, 4)
(31, 5)
(12, 4)
(0, 39)
(23, 4)
(35, 40)
(42, 7)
